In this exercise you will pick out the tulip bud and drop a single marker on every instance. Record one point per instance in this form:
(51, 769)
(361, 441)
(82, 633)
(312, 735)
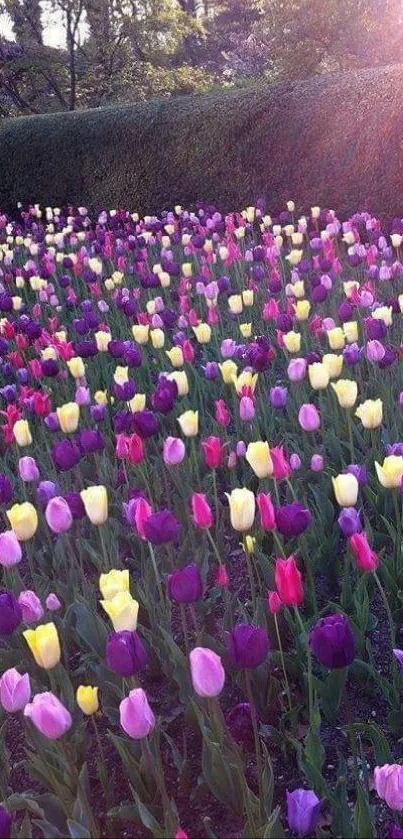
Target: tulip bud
(207, 672)
(15, 691)
(10, 549)
(185, 585)
(289, 582)
(48, 715)
(308, 418)
(58, 515)
(31, 607)
(366, 558)
(303, 811)
(95, 500)
(10, 613)
(274, 603)
(125, 653)
(136, 716)
(28, 469)
(87, 699)
(174, 451)
(201, 511)
(53, 603)
(44, 645)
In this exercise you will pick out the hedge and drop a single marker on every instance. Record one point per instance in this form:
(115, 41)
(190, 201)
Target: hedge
(334, 140)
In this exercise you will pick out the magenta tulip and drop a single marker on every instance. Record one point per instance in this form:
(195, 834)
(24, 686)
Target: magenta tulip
(10, 549)
(48, 715)
(58, 515)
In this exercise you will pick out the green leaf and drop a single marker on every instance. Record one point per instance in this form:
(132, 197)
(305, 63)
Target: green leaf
(373, 733)
(274, 829)
(363, 823)
(147, 818)
(222, 775)
(77, 831)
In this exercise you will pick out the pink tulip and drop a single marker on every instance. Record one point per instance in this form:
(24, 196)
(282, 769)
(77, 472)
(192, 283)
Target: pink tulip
(174, 451)
(15, 690)
(308, 417)
(28, 469)
(222, 413)
(316, 463)
(222, 579)
(136, 716)
(281, 467)
(295, 462)
(58, 515)
(136, 449)
(375, 351)
(10, 549)
(246, 409)
(122, 446)
(143, 512)
(48, 715)
(366, 558)
(53, 603)
(296, 369)
(83, 396)
(274, 602)
(266, 510)
(31, 606)
(201, 511)
(388, 781)
(207, 672)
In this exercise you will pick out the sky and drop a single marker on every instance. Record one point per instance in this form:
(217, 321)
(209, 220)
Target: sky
(54, 34)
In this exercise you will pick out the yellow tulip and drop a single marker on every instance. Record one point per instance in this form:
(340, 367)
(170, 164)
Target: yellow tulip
(203, 333)
(121, 375)
(189, 423)
(138, 403)
(95, 500)
(49, 353)
(103, 340)
(249, 544)
(24, 520)
(391, 473)
(235, 304)
(242, 507)
(245, 329)
(157, 338)
(22, 433)
(140, 333)
(346, 490)
(113, 582)
(228, 370)
(187, 269)
(292, 341)
(109, 284)
(76, 367)
(259, 459)
(17, 303)
(297, 238)
(87, 699)
(181, 379)
(318, 376)
(291, 206)
(383, 313)
(250, 214)
(350, 330)
(346, 391)
(349, 287)
(44, 645)
(245, 379)
(101, 397)
(333, 364)
(298, 289)
(396, 240)
(370, 413)
(175, 356)
(122, 610)
(165, 279)
(248, 297)
(68, 416)
(349, 237)
(302, 310)
(336, 338)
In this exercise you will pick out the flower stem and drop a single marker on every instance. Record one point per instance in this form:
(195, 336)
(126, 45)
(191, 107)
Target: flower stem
(280, 647)
(156, 572)
(253, 713)
(309, 661)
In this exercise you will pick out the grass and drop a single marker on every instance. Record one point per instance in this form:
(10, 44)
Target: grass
(332, 139)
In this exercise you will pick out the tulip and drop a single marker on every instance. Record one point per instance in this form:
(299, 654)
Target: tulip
(189, 423)
(391, 473)
(58, 515)
(349, 521)
(161, 527)
(289, 582)
(267, 512)
(274, 602)
(24, 520)
(292, 341)
(125, 653)
(10, 613)
(15, 691)
(28, 469)
(388, 781)
(258, 457)
(222, 579)
(239, 724)
(65, 455)
(48, 715)
(346, 489)
(370, 413)
(136, 716)
(207, 672)
(175, 356)
(303, 811)
(22, 433)
(278, 397)
(76, 505)
(95, 500)
(281, 467)
(181, 380)
(31, 606)
(123, 610)
(308, 417)
(366, 558)
(346, 392)
(44, 645)
(6, 490)
(222, 414)
(5, 823)
(201, 511)
(245, 379)
(10, 549)
(87, 699)
(185, 585)
(296, 369)
(68, 416)
(246, 409)
(76, 364)
(316, 463)
(45, 491)
(248, 646)
(332, 642)
(292, 519)
(52, 602)
(203, 333)
(174, 451)
(235, 304)
(113, 583)
(213, 452)
(242, 509)
(318, 376)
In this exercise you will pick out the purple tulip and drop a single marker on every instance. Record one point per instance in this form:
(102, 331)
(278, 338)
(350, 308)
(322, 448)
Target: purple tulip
(164, 397)
(6, 490)
(349, 521)
(90, 440)
(185, 585)
(332, 642)
(292, 519)
(352, 354)
(303, 811)
(161, 527)
(125, 653)
(65, 455)
(10, 613)
(248, 646)
(145, 423)
(395, 831)
(5, 824)
(360, 473)
(45, 491)
(278, 397)
(31, 606)
(76, 505)
(239, 724)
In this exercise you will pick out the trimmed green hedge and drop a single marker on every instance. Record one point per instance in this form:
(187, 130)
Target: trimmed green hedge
(334, 140)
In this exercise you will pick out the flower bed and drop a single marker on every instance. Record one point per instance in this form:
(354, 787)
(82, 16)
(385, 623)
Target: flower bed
(201, 524)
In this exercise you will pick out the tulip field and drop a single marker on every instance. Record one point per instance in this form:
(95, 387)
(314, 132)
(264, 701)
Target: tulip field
(201, 442)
